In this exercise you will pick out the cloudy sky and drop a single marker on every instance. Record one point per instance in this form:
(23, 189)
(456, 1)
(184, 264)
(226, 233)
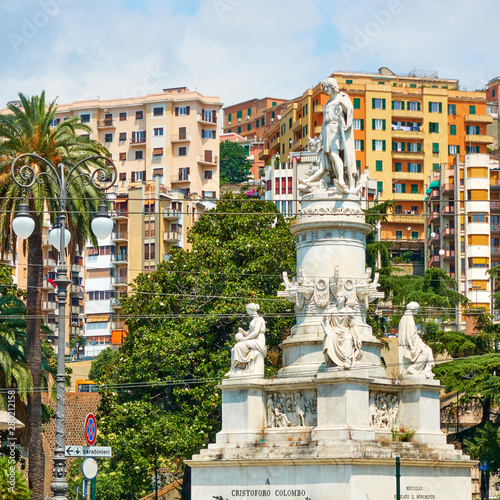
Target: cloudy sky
(236, 49)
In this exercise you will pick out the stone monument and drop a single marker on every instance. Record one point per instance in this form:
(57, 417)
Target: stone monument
(329, 425)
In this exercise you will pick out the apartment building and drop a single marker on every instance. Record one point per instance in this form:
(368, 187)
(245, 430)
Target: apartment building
(493, 98)
(463, 213)
(405, 128)
(250, 120)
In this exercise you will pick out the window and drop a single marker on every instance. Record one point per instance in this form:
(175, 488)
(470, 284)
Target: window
(434, 128)
(108, 137)
(290, 123)
(435, 107)
(208, 174)
(398, 105)
(414, 235)
(493, 93)
(239, 130)
(477, 217)
(414, 209)
(139, 175)
(139, 115)
(283, 185)
(348, 81)
(122, 156)
(123, 116)
(358, 124)
(378, 124)
(399, 209)
(399, 235)
(290, 181)
(229, 119)
(359, 145)
(208, 134)
(182, 110)
(435, 167)
(378, 103)
(85, 118)
(139, 137)
(414, 188)
(378, 165)
(139, 155)
(380, 186)
(208, 116)
(398, 187)
(55, 122)
(305, 110)
(276, 186)
(435, 147)
(413, 106)
(378, 145)
(157, 152)
(158, 111)
(478, 261)
(452, 109)
(247, 149)
(414, 168)
(249, 112)
(158, 131)
(472, 149)
(472, 130)
(453, 130)
(274, 104)
(122, 176)
(356, 103)
(453, 150)
(397, 167)
(263, 121)
(398, 146)
(414, 147)
(472, 109)
(182, 151)
(249, 126)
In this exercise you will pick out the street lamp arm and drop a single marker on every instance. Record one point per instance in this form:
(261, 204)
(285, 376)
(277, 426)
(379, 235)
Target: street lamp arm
(98, 178)
(27, 173)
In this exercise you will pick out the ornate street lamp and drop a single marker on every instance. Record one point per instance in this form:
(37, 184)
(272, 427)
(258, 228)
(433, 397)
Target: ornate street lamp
(101, 178)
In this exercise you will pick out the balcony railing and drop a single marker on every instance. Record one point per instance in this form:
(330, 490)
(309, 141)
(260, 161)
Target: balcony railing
(119, 235)
(495, 204)
(49, 306)
(119, 257)
(180, 138)
(137, 140)
(207, 160)
(495, 250)
(106, 123)
(448, 231)
(119, 280)
(495, 227)
(208, 118)
(119, 214)
(170, 213)
(448, 209)
(115, 302)
(172, 236)
(180, 178)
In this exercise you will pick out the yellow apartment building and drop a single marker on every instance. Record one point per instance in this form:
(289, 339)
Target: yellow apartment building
(405, 128)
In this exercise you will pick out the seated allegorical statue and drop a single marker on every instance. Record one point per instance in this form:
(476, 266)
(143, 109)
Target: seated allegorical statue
(341, 345)
(247, 355)
(415, 357)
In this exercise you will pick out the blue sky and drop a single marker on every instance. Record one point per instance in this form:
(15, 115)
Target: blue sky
(235, 49)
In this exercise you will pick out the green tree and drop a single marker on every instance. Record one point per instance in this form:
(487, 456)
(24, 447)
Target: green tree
(29, 129)
(13, 485)
(234, 166)
(103, 365)
(182, 320)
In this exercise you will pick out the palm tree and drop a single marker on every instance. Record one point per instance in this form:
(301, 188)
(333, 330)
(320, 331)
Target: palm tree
(29, 128)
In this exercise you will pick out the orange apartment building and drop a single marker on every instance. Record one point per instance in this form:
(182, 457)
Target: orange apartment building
(405, 128)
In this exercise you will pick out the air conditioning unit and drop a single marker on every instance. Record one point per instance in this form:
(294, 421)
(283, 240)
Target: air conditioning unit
(248, 117)
(239, 120)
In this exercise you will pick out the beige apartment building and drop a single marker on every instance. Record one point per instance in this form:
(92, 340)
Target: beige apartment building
(165, 147)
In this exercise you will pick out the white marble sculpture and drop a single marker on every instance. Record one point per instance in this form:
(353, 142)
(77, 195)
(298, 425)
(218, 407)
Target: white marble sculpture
(415, 357)
(341, 345)
(292, 409)
(334, 146)
(247, 355)
(384, 409)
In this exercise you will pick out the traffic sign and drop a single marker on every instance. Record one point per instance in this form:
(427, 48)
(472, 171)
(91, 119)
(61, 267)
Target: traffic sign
(90, 468)
(88, 451)
(90, 429)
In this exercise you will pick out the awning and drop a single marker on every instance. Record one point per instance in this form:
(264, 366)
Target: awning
(428, 190)
(7, 421)
(434, 185)
(426, 198)
(97, 318)
(157, 151)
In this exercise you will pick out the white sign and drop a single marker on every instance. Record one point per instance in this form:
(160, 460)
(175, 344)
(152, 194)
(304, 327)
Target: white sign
(87, 451)
(90, 468)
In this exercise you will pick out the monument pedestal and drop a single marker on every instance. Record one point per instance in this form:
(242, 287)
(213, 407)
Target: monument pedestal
(319, 430)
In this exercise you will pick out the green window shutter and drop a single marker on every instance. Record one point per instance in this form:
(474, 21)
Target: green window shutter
(239, 130)
(458, 150)
(290, 123)
(358, 164)
(362, 145)
(239, 114)
(397, 166)
(383, 145)
(373, 123)
(453, 130)
(249, 112)
(357, 103)
(362, 124)
(477, 130)
(229, 118)
(373, 144)
(418, 106)
(414, 188)
(403, 188)
(373, 102)
(419, 147)
(440, 107)
(435, 147)
(435, 167)
(436, 128)
(430, 107)
(431, 127)
(383, 127)
(392, 105)
(378, 165)
(409, 146)
(402, 105)
(467, 129)
(419, 167)
(403, 146)
(249, 126)
(348, 81)
(472, 110)
(383, 103)
(380, 186)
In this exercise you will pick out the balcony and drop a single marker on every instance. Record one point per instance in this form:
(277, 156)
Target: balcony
(448, 232)
(433, 216)
(495, 205)
(407, 113)
(275, 144)
(119, 281)
(207, 119)
(264, 154)
(119, 214)
(120, 258)
(408, 155)
(76, 310)
(76, 268)
(52, 327)
(495, 227)
(434, 261)
(172, 236)
(434, 194)
(478, 139)
(495, 250)
(46, 285)
(76, 289)
(138, 141)
(449, 254)
(49, 306)
(115, 303)
(106, 123)
(400, 133)
(318, 108)
(207, 159)
(119, 236)
(180, 138)
(412, 176)
(405, 218)
(448, 210)
(117, 325)
(479, 119)
(448, 188)
(434, 239)
(317, 129)
(49, 263)
(180, 178)
(171, 214)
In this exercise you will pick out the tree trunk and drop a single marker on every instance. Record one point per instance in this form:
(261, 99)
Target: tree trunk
(36, 471)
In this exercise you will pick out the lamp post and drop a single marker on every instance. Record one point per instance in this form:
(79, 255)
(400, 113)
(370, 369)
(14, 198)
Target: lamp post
(101, 178)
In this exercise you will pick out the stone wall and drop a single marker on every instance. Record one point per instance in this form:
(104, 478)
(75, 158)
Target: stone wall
(78, 406)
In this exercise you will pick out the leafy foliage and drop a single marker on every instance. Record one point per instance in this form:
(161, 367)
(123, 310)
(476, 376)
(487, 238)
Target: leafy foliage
(103, 365)
(234, 166)
(182, 321)
(13, 485)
